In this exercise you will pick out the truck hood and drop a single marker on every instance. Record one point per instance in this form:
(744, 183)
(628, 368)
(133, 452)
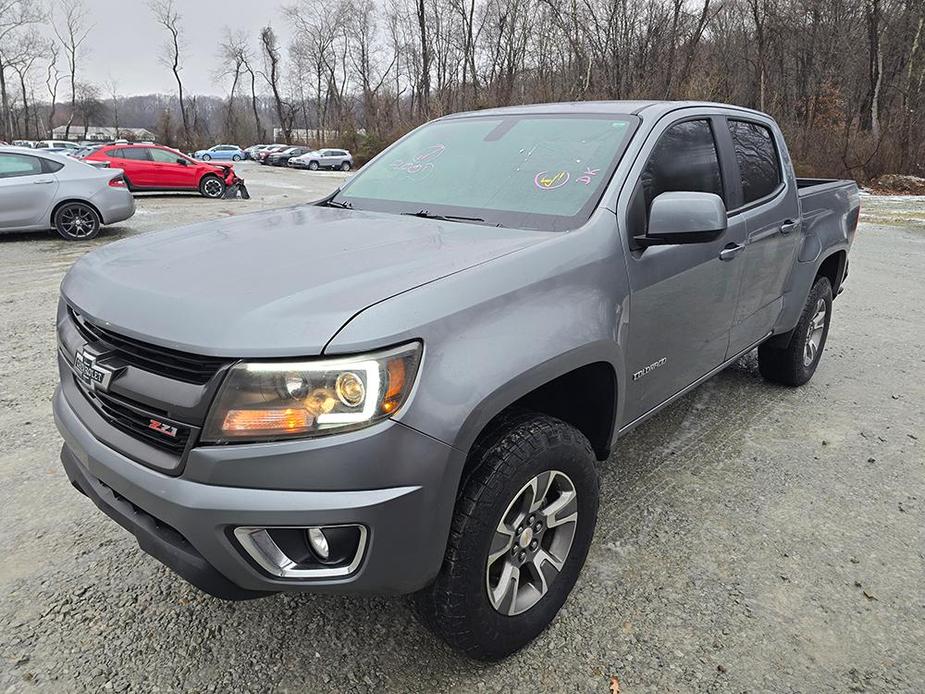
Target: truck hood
(278, 283)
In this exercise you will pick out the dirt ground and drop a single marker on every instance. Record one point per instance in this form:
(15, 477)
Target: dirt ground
(751, 537)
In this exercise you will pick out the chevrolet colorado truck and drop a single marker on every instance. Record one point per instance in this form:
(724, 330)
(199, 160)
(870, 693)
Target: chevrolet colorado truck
(407, 387)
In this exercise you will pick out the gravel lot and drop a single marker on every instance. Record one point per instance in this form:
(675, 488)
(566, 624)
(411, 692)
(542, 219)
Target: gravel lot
(751, 537)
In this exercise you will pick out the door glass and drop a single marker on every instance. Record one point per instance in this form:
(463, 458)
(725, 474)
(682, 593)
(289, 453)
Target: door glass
(684, 160)
(757, 158)
(135, 153)
(15, 165)
(162, 156)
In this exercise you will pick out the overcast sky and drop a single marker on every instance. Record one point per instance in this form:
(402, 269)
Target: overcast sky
(125, 43)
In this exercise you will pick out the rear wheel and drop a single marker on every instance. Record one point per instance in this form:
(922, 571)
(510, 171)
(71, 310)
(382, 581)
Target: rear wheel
(212, 186)
(77, 221)
(796, 363)
(236, 157)
(521, 531)
(313, 166)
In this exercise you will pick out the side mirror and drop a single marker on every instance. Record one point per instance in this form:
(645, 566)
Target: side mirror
(181, 160)
(685, 217)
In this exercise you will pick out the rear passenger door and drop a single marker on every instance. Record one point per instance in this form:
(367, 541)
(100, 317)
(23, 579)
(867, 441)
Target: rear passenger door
(682, 296)
(766, 201)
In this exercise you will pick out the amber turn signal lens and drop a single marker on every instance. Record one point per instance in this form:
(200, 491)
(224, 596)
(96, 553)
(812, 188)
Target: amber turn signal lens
(289, 420)
(395, 371)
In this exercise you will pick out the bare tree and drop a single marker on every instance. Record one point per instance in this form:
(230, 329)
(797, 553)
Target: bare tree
(168, 16)
(53, 79)
(233, 58)
(72, 29)
(272, 73)
(15, 16)
(112, 91)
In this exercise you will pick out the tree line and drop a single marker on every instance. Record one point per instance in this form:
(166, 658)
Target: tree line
(844, 78)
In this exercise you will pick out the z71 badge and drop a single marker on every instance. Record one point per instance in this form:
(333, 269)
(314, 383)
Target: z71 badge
(94, 376)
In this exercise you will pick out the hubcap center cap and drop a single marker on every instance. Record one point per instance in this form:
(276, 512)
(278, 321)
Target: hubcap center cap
(526, 537)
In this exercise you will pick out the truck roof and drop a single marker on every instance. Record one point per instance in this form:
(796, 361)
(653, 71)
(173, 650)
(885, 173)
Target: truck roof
(623, 108)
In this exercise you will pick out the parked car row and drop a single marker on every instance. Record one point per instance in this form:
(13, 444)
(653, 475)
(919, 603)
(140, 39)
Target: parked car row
(78, 189)
(298, 157)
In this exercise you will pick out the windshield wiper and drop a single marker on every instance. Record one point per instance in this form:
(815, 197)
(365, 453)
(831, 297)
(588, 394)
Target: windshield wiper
(338, 204)
(442, 217)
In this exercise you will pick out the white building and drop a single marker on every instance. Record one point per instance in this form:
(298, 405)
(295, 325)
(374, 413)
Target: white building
(98, 133)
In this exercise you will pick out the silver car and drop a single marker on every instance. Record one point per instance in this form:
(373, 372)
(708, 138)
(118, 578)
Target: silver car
(323, 159)
(41, 190)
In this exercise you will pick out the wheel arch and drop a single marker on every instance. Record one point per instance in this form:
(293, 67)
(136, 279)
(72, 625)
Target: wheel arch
(834, 267)
(68, 201)
(581, 388)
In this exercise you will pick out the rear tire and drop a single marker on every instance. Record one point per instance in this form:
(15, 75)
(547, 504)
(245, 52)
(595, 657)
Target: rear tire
(236, 157)
(77, 221)
(498, 588)
(211, 186)
(796, 363)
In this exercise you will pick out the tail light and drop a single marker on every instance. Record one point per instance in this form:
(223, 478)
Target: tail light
(117, 182)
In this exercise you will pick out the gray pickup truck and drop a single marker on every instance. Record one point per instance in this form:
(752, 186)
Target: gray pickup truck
(407, 387)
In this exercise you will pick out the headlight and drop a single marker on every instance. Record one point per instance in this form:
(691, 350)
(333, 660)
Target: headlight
(265, 400)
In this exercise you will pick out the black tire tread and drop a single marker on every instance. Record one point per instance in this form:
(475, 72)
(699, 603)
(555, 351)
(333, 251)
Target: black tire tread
(785, 365)
(440, 606)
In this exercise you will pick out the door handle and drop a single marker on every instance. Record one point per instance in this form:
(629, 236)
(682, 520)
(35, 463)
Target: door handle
(44, 181)
(788, 226)
(731, 251)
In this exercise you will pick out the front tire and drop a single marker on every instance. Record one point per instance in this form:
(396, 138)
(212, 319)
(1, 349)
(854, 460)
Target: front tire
(312, 166)
(212, 186)
(796, 363)
(345, 166)
(207, 157)
(523, 524)
(77, 221)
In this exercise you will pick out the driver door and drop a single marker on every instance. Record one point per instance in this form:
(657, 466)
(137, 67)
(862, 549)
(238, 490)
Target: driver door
(169, 170)
(682, 296)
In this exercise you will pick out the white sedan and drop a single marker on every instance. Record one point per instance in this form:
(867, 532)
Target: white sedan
(42, 190)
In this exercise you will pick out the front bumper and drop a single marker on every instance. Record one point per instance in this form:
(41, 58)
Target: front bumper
(188, 524)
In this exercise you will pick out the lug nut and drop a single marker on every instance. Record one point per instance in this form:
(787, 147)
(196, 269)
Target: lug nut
(533, 544)
(531, 519)
(523, 556)
(514, 550)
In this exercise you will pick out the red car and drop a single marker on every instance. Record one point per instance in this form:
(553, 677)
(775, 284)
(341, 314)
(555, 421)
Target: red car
(153, 167)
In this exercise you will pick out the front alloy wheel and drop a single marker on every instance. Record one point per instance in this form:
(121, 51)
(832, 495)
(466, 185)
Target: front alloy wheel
(522, 527)
(532, 542)
(212, 187)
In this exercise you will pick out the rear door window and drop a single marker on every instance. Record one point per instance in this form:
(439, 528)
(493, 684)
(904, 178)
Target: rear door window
(756, 155)
(684, 160)
(135, 153)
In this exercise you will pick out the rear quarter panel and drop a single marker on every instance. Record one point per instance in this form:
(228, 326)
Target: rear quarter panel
(829, 223)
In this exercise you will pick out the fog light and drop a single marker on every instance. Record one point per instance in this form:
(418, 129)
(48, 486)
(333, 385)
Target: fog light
(319, 542)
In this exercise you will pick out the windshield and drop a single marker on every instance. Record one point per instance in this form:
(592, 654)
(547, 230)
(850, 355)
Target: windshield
(533, 172)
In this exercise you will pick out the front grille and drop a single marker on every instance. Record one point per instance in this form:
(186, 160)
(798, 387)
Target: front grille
(181, 366)
(136, 421)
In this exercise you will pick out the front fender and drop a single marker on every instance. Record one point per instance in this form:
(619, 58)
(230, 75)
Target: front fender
(495, 332)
